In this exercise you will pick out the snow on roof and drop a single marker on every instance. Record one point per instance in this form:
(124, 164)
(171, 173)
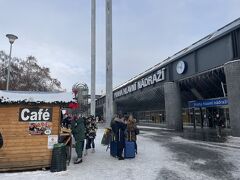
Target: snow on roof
(35, 97)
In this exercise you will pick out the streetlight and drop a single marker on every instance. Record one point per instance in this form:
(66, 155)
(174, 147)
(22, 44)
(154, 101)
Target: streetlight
(11, 39)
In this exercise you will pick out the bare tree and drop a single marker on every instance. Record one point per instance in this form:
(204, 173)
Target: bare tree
(27, 75)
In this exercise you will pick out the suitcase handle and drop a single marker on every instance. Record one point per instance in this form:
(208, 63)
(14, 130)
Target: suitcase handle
(119, 135)
(130, 136)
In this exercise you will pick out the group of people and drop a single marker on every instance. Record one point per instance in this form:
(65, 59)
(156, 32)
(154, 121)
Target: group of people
(124, 128)
(82, 129)
(215, 121)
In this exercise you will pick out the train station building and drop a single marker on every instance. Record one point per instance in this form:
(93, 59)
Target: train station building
(188, 88)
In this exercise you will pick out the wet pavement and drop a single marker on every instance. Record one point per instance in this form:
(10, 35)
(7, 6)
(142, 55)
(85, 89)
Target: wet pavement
(201, 134)
(205, 134)
(201, 150)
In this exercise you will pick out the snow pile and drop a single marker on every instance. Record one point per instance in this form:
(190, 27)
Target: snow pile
(200, 161)
(233, 140)
(150, 127)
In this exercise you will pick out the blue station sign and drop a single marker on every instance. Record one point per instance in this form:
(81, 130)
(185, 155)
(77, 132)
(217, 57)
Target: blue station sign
(208, 103)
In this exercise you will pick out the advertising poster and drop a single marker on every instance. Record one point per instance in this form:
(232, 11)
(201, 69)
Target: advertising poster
(40, 128)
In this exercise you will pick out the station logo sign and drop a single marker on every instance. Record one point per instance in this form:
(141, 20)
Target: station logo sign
(156, 77)
(35, 114)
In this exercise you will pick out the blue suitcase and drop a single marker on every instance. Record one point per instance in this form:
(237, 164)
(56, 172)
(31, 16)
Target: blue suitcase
(113, 148)
(129, 151)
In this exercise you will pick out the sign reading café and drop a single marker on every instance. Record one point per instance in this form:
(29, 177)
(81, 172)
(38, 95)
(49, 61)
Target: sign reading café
(156, 77)
(35, 114)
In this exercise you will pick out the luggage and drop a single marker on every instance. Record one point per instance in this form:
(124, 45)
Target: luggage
(129, 151)
(113, 148)
(107, 137)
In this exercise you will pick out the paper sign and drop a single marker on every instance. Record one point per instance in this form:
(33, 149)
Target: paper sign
(52, 139)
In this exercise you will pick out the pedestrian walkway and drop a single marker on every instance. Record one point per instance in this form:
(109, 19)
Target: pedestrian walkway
(100, 165)
(198, 134)
(163, 156)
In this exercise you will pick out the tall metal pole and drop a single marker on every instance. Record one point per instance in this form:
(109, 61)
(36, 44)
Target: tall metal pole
(93, 55)
(109, 93)
(9, 66)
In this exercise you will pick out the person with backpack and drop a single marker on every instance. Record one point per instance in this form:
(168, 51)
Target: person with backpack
(91, 128)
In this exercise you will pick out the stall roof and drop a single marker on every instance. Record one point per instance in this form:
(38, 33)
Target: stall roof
(8, 97)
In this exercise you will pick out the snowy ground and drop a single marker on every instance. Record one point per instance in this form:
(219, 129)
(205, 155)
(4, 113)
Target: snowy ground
(155, 160)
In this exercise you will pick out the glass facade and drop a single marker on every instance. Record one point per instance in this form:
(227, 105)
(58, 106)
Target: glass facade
(157, 117)
(205, 117)
(199, 117)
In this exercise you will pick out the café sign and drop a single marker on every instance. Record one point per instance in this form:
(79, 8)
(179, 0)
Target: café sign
(156, 77)
(35, 114)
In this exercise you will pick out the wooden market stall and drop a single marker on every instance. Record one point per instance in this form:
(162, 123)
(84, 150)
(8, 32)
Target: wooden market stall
(29, 125)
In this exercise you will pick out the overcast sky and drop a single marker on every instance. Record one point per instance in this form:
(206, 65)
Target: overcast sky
(145, 32)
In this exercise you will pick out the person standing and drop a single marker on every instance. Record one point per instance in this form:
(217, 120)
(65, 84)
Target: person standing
(118, 127)
(91, 128)
(131, 130)
(219, 125)
(78, 131)
(66, 121)
(97, 119)
(210, 120)
(206, 123)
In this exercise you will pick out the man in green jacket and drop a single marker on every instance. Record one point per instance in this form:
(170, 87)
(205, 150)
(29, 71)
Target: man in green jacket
(78, 131)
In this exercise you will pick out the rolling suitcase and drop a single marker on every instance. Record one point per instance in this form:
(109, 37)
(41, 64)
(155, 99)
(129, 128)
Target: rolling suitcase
(113, 148)
(129, 150)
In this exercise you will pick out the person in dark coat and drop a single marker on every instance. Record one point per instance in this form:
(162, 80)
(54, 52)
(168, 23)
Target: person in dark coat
(78, 131)
(66, 121)
(118, 127)
(219, 122)
(91, 128)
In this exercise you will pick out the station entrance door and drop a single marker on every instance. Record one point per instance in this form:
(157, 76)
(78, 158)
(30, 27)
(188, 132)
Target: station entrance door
(203, 112)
